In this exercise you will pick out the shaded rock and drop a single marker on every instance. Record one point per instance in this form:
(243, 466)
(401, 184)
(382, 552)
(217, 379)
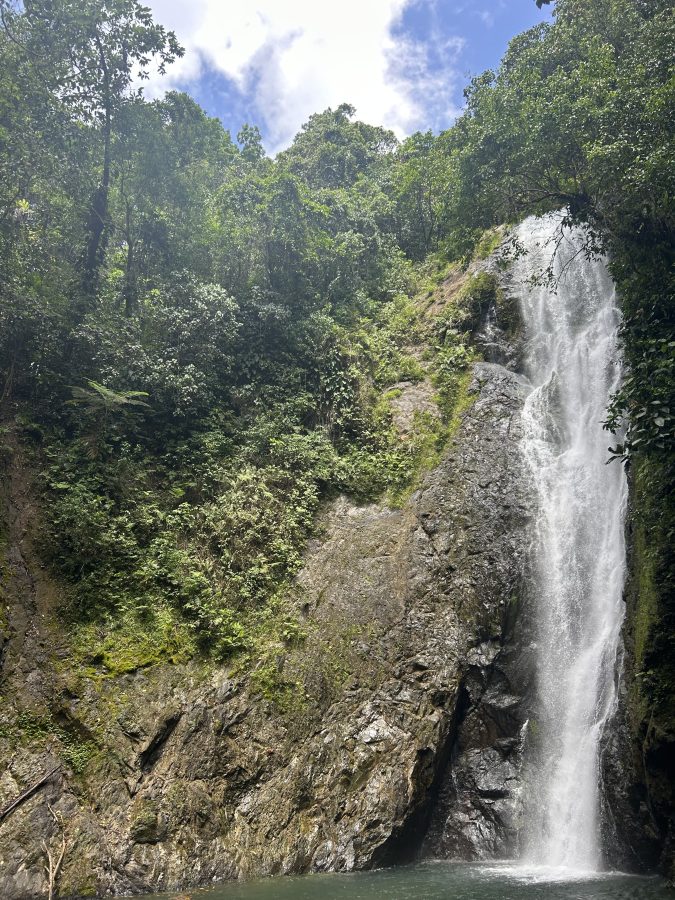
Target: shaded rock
(632, 839)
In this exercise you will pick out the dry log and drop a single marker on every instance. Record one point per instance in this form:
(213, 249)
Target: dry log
(27, 793)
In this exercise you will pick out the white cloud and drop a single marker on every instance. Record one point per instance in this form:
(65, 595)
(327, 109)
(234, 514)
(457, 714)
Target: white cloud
(296, 57)
(427, 73)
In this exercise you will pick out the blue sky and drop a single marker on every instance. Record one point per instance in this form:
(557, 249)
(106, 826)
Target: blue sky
(402, 63)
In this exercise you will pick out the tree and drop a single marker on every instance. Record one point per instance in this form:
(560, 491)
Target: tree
(250, 140)
(333, 151)
(422, 182)
(88, 53)
(170, 158)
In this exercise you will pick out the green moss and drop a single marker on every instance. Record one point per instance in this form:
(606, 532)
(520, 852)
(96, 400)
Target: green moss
(335, 655)
(270, 678)
(131, 642)
(430, 275)
(430, 436)
(387, 396)
(646, 607)
(33, 727)
(78, 755)
(423, 451)
(146, 827)
(38, 729)
(272, 632)
(488, 243)
(477, 294)
(387, 342)
(650, 598)
(78, 879)
(268, 681)
(397, 464)
(410, 369)
(463, 400)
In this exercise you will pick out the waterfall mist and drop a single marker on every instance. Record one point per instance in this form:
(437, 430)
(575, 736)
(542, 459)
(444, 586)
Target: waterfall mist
(577, 556)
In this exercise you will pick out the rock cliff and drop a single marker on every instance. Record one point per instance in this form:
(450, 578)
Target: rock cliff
(331, 755)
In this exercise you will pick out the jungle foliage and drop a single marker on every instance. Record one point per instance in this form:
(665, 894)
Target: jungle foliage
(197, 341)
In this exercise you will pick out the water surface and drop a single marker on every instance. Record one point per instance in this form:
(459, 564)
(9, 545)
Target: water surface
(439, 881)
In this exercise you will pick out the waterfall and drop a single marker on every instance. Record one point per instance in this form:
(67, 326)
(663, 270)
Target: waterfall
(577, 555)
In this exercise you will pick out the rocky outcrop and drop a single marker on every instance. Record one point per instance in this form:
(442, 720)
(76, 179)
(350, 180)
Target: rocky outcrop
(329, 755)
(632, 839)
(638, 747)
(479, 808)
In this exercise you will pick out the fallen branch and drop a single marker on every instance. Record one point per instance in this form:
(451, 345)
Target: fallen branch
(53, 864)
(27, 793)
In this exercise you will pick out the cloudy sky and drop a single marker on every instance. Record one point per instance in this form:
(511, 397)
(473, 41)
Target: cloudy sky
(402, 63)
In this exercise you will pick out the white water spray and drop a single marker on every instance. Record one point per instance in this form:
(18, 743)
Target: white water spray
(578, 553)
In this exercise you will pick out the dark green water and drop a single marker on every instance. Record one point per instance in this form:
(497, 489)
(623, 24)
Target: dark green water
(438, 881)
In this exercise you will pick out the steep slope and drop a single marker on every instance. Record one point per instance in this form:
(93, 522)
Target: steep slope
(329, 752)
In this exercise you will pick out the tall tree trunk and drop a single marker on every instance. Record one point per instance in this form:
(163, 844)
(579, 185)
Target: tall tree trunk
(98, 211)
(98, 214)
(130, 286)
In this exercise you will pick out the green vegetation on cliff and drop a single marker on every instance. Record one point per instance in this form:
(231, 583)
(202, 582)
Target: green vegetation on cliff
(199, 343)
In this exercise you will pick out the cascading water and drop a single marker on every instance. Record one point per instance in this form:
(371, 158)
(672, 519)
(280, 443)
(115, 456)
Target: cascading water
(578, 554)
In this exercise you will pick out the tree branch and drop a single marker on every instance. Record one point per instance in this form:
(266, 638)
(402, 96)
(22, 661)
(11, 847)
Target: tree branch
(27, 793)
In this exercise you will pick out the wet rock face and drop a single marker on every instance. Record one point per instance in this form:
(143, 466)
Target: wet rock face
(637, 764)
(632, 835)
(478, 811)
(478, 804)
(499, 336)
(402, 692)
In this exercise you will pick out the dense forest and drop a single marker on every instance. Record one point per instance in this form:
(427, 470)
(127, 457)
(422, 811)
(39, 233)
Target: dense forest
(197, 341)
